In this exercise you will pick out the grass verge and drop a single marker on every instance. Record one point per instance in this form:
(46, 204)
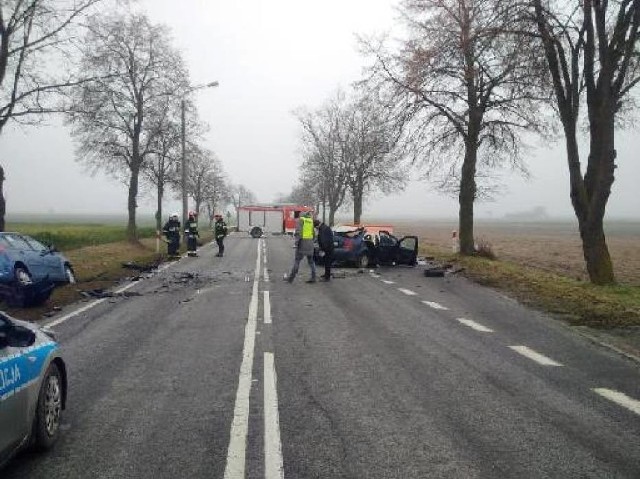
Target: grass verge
(578, 302)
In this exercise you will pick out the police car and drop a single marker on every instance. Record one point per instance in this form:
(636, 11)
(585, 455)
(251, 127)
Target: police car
(33, 387)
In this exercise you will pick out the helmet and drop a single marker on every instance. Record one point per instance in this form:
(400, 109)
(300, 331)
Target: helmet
(193, 213)
(174, 216)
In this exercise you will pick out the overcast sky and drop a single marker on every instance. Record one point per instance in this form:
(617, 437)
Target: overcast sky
(271, 57)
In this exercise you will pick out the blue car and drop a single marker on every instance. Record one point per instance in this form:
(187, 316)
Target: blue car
(24, 260)
(356, 246)
(33, 387)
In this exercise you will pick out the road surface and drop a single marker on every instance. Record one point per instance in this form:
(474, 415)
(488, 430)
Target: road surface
(217, 368)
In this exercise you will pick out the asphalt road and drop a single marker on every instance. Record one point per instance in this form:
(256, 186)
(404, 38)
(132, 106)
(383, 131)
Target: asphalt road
(217, 368)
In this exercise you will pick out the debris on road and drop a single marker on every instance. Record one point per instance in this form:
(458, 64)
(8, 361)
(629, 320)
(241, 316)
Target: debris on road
(102, 293)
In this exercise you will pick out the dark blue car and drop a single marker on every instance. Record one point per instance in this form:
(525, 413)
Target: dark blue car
(358, 247)
(25, 261)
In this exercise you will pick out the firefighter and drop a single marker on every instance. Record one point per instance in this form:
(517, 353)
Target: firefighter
(220, 231)
(171, 230)
(191, 232)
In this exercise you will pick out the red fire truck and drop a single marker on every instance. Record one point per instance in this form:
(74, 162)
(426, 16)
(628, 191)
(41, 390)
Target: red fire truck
(274, 219)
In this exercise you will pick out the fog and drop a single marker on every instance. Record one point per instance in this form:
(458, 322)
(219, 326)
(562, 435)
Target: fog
(270, 58)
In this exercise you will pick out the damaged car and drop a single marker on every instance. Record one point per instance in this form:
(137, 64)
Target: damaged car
(29, 270)
(366, 247)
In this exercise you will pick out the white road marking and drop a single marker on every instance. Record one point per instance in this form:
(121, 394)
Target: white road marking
(473, 325)
(535, 356)
(435, 305)
(373, 275)
(386, 281)
(408, 292)
(273, 465)
(620, 399)
(235, 468)
(265, 273)
(267, 307)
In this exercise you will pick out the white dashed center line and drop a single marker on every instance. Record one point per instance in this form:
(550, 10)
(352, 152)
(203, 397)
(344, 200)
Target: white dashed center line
(386, 281)
(535, 356)
(273, 466)
(473, 325)
(434, 305)
(620, 399)
(267, 308)
(408, 292)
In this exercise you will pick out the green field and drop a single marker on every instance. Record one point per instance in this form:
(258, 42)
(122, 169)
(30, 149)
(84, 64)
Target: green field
(68, 236)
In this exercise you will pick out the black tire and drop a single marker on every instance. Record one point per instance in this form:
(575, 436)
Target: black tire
(22, 275)
(46, 425)
(363, 261)
(256, 232)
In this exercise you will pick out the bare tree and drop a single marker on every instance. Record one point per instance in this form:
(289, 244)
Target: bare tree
(374, 157)
(35, 37)
(462, 79)
(116, 119)
(325, 152)
(217, 190)
(592, 50)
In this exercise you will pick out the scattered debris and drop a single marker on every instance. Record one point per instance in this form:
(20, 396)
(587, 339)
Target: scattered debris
(22, 296)
(439, 270)
(143, 268)
(101, 293)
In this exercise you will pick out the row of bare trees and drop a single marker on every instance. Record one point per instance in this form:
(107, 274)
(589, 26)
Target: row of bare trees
(351, 149)
(471, 77)
(123, 89)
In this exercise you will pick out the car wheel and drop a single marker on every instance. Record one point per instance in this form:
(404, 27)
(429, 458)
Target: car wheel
(256, 232)
(22, 276)
(69, 274)
(47, 420)
(363, 261)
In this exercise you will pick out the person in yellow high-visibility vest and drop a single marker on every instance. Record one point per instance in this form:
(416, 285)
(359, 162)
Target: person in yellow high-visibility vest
(304, 247)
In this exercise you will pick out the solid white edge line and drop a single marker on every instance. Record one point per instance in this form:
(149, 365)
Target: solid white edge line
(266, 305)
(619, 398)
(535, 356)
(386, 281)
(273, 463)
(236, 454)
(474, 325)
(434, 305)
(408, 292)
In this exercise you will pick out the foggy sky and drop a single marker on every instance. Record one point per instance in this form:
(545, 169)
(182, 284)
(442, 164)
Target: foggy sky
(271, 57)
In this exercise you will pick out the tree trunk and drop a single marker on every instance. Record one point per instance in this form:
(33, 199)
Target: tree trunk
(467, 197)
(159, 208)
(3, 206)
(597, 182)
(132, 230)
(357, 205)
(332, 215)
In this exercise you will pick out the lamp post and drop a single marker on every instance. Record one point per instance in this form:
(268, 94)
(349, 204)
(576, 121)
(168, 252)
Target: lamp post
(183, 138)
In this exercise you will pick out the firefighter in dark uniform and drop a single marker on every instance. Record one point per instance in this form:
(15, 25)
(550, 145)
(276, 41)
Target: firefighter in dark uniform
(220, 231)
(171, 230)
(191, 231)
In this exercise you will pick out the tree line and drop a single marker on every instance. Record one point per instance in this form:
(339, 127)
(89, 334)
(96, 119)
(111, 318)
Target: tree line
(456, 94)
(123, 89)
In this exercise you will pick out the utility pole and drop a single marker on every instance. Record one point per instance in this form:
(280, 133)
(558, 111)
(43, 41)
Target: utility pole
(183, 139)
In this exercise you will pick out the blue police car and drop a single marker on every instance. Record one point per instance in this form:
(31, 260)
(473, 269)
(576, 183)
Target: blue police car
(33, 387)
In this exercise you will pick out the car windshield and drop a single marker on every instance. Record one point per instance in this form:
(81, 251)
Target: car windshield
(14, 241)
(36, 245)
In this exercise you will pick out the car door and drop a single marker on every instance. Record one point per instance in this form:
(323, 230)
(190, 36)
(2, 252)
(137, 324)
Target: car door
(14, 404)
(386, 252)
(27, 255)
(407, 251)
(52, 263)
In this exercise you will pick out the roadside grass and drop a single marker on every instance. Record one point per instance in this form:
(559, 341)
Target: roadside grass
(578, 302)
(69, 236)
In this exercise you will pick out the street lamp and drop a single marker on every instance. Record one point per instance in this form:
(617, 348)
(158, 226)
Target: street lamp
(213, 84)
